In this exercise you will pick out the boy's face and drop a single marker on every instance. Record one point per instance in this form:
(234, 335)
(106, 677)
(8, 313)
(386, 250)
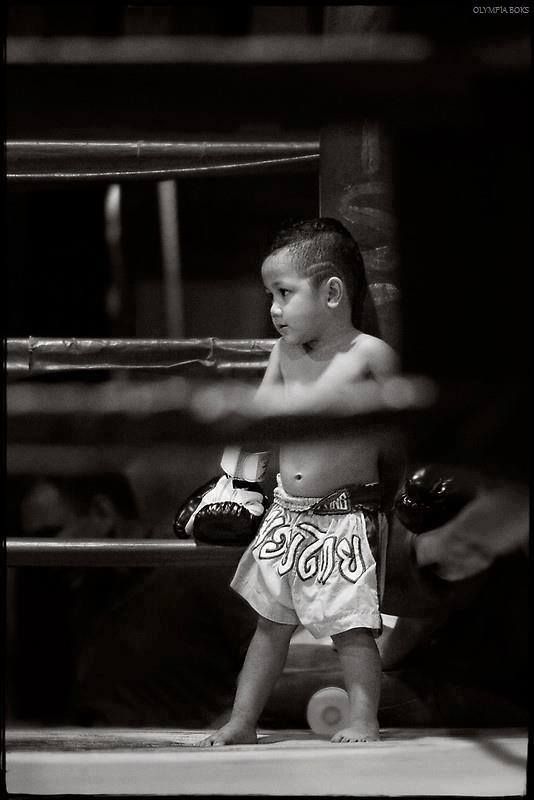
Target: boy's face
(298, 308)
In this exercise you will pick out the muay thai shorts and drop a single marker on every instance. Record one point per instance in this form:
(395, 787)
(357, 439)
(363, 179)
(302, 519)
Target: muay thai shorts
(318, 562)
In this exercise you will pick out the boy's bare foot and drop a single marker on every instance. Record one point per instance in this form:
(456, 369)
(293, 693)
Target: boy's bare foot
(358, 732)
(231, 733)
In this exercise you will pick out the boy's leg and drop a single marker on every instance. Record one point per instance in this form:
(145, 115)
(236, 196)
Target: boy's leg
(362, 670)
(266, 656)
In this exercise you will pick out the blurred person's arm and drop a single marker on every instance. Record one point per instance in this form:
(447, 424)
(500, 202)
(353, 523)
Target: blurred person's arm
(493, 524)
(436, 571)
(445, 567)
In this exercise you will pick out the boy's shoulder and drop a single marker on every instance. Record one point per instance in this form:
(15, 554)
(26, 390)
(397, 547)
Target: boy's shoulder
(371, 344)
(379, 356)
(378, 353)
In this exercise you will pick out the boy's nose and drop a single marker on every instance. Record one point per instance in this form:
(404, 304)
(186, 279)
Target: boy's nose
(275, 310)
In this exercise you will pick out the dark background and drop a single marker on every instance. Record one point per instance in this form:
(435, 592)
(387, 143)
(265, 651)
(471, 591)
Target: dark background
(57, 261)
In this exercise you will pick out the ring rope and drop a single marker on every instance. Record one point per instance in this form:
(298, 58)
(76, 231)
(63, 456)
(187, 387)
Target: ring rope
(36, 355)
(79, 160)
(166, 172)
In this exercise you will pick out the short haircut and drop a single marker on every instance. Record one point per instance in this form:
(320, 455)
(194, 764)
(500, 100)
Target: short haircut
(326, 248)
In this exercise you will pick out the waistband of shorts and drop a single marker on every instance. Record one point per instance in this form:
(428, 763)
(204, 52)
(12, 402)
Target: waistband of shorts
(352, 497)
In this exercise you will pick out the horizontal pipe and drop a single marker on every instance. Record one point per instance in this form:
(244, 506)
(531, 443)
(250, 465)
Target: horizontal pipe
(274, 49)
(124, 553)
(382, 49)
(122, 160)
(41, 355)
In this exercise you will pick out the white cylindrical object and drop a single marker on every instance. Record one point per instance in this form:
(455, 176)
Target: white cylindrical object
(328, 710)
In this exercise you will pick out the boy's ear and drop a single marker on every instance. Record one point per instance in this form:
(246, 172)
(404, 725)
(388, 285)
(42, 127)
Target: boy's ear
(334, 291)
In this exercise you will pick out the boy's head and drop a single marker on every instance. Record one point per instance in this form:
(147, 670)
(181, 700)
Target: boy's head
(322, 254)
(321, 248)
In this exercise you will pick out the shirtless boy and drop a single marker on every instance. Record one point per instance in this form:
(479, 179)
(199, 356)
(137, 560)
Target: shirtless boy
(315, 559)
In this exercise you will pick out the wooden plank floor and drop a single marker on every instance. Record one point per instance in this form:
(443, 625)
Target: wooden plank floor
(405, 762)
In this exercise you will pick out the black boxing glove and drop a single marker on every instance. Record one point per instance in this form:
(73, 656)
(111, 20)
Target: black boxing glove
(185, 512)
(228, 509)
(429, 498)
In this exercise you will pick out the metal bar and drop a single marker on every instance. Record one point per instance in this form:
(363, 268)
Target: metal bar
(171, 262)
(108, 160)
(127, 553)
(37, 355)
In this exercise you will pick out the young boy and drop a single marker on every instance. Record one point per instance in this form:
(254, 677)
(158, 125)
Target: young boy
(315, 558)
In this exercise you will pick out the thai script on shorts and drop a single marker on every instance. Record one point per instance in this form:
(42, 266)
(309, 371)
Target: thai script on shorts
(316, 559)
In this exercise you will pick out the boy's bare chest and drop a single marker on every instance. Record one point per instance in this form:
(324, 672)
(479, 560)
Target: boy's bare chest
(303, 370)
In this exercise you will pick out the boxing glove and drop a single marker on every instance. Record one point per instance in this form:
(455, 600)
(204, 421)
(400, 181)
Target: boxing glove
(431, 497)
(184, 513)
(228, 509)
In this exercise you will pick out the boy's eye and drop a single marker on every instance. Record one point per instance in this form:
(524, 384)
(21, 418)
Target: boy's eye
(284, 292)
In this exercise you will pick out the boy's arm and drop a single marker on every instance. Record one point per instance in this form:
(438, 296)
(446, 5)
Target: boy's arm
(272, 376)
(382, 359)
(384, 363)
(250, 463)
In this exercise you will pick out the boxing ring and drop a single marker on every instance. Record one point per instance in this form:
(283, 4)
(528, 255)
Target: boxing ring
(417, 762)
(53, 421)
(414, 763)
